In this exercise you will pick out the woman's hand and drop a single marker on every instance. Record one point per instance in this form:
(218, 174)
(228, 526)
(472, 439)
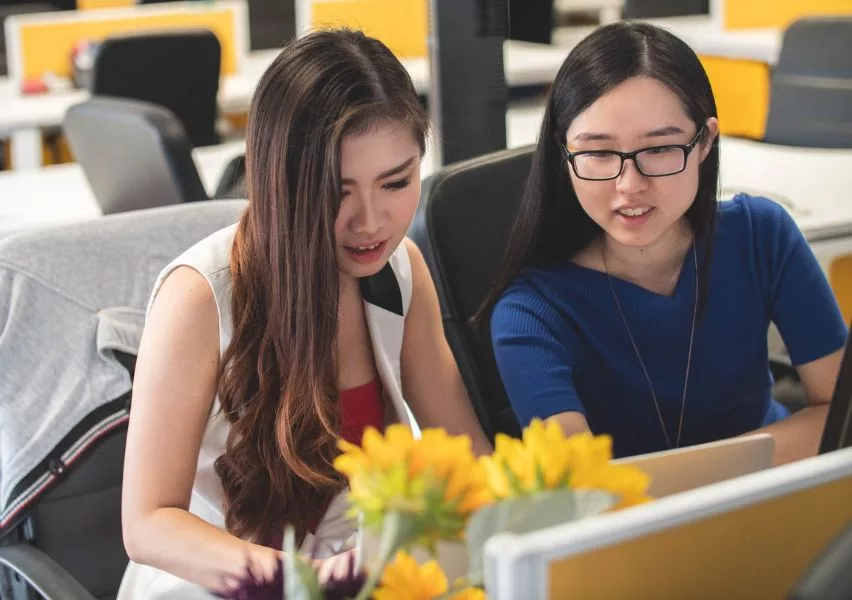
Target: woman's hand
(335, 567)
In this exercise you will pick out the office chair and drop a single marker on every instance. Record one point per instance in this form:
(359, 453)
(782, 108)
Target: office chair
(178, 70)
(232, 181)
(61, 527)
(135, 154)
(828, 577)
(462, 224)
(811, 92)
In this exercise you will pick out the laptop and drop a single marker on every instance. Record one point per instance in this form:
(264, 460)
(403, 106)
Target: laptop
(683, 469)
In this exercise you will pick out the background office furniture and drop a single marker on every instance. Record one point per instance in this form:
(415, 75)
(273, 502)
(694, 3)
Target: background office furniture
(72, 529)
(232, 182)
(829, 576)
(135, 155)
(178, 70)
(646, 9)
(462, 225)
(811, 94)
(272, 23)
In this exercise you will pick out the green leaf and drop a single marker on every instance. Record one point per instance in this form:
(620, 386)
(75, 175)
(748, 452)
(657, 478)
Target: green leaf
(529, 513)
(300, 578)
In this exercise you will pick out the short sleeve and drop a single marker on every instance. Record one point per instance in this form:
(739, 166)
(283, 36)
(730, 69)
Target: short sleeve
(533, 355)
(802, 304)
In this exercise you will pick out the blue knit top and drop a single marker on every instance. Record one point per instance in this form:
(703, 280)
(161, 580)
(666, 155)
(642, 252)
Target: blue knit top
(561, 344)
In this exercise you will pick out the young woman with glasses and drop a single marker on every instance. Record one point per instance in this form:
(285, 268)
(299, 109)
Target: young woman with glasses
(631, 302)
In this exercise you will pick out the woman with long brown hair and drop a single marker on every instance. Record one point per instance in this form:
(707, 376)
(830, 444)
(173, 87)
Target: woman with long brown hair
(309, 320)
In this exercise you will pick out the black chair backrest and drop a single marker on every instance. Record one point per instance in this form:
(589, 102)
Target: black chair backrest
(135, 155)
(175, 69)
(811, 95)
(232, 181)
(462, 227)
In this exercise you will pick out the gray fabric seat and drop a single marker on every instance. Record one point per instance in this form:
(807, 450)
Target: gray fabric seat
(811, 93)
(134, 154)
(72, 309)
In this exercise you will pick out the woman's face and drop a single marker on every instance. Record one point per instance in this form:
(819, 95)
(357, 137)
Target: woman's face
(635, 210)
(380, 178)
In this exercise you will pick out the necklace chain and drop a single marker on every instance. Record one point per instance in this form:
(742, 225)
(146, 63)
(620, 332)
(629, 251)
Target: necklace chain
(642, 363)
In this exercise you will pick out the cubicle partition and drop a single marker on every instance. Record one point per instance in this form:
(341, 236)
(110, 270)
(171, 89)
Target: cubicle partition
(39, 44)
(401, 24)
(749, 537)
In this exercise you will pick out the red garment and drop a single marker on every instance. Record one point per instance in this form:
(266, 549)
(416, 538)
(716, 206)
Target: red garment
(361, 407)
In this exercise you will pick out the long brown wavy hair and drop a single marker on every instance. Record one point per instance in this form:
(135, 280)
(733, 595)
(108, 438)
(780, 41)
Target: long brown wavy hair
(278, 378)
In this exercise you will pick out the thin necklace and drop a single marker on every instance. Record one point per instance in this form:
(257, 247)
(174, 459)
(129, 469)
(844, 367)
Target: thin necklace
(642, 363)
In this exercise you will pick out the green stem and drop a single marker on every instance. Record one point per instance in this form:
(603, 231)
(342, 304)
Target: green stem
(390, 542)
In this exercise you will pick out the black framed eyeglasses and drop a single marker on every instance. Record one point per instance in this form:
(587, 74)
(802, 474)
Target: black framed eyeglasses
(653, 161)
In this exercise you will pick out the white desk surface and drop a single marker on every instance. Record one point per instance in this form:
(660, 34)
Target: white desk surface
(525, 64)
(705, 36)
(61, 194)
(814, 184)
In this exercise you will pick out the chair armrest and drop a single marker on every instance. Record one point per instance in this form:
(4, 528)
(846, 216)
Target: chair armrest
(828, 576)
(43, 573)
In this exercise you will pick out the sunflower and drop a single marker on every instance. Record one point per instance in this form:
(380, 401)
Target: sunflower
(405, 579)
(545, 459)
(435, 481)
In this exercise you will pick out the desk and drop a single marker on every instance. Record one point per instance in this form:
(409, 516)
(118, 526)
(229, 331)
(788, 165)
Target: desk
(23, 117)
(60, 194)
(814, 184)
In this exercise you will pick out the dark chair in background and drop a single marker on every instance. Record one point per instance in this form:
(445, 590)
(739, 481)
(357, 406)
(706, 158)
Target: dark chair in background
(462, 225)
(178, 70)
(135, 155)
(232, 181)
(647, 9)
(272, 23)
(829, 577)
(66, 537)
(811, 92)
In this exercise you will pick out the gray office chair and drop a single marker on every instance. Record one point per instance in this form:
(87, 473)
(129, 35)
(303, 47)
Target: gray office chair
(811, 93)
(135, 154)
(72, 308)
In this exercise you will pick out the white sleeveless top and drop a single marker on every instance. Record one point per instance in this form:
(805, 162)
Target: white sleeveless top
(387, 296)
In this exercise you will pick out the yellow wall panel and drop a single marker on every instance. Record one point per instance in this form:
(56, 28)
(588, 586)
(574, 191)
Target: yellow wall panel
(758, 551)
(840, 277)
(741, 88)
(94, 4)
(401, 24)
(746, 14)
(46, 47)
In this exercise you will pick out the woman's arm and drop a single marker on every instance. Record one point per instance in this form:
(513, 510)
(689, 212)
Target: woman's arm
(431, 381)
(798, 436)
(173, 391)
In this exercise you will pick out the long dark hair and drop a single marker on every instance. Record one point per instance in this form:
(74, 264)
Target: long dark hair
(551, 225)
(278, 379)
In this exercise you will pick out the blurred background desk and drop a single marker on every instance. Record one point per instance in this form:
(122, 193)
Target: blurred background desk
(23, 117)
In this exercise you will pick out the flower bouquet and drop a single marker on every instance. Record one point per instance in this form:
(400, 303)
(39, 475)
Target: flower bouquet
(427, 506)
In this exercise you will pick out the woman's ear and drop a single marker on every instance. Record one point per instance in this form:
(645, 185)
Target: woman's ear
(710, 135)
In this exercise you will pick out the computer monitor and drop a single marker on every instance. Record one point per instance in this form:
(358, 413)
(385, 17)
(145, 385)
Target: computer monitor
(838, 426)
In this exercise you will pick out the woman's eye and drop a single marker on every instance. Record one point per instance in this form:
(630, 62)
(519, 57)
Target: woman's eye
(397, 185)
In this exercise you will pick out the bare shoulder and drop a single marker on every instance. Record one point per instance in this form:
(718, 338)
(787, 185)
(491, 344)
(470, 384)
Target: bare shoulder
(184, 310)
(420, 275)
